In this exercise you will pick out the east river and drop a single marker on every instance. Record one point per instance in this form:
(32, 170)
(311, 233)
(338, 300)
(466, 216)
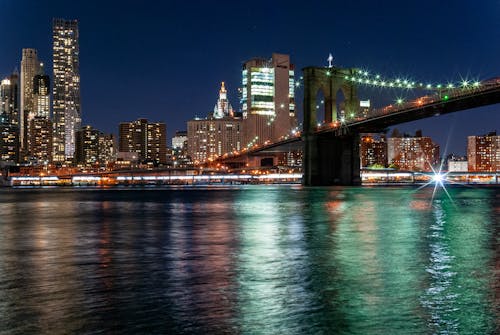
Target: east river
(250, 260)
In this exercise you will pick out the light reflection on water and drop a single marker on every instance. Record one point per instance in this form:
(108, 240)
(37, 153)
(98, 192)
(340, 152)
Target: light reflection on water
(250, 260)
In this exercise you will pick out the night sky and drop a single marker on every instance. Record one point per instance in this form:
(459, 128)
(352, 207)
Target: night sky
(164, 60)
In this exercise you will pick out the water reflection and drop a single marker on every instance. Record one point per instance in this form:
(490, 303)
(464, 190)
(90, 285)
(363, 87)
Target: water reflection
(250, 260)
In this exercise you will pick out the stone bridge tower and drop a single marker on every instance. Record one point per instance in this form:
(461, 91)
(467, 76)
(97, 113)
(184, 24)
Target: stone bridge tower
(329, 158)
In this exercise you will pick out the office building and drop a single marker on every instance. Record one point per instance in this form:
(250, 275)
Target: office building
(40, 140)
(30, 67)
(87, 146)
(416, 153)
(9, 98)
(9, 140)
(267, 99)
(66, 87)
(41, 94)
(147, 140)
(220, 133)
(373, 151)
(483, 153)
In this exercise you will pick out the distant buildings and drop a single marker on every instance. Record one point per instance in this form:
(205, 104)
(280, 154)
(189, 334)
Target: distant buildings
(483, 153)
(373, 151)
(147, 140)
(66, 88)
(267, 99)
(179, 141)
(220, 133)
(416, 153)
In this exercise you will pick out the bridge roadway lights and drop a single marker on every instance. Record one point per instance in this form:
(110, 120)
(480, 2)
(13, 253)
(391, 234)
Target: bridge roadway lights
(331, 160)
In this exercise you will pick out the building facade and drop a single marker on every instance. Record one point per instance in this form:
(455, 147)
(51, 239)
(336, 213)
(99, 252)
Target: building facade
(94, 147)
(9, 98)
(373, 151)
(30, 67)
(66, 87)
(179, 141)
(268, 99)
(9, 140)
(413, 153)
(41, 137)
(148, 140)
(483, 153)
(220, 133)
(41, 95)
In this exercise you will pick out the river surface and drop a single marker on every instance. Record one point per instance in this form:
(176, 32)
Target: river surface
(250, 260)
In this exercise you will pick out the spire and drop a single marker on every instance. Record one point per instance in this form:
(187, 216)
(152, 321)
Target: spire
(222, 107)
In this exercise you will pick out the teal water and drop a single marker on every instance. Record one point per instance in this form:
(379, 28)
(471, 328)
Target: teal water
(250, 260)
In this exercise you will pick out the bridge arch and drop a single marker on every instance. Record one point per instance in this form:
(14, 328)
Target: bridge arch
(329, 81)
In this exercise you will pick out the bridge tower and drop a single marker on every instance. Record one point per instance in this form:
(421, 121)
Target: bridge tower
(330, 158)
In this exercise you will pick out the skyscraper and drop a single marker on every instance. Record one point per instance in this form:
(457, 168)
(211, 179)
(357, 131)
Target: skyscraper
(29, 69)
(66, 88)
(9, 98)
(267, 99)
(41, 93)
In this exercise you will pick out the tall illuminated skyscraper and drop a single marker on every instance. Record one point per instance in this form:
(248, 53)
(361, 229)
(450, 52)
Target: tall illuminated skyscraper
(267, 99)
(29, 69)
(41, 94)
(66, 88)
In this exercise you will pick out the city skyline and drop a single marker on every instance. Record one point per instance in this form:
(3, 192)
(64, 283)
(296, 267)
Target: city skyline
(192, 59)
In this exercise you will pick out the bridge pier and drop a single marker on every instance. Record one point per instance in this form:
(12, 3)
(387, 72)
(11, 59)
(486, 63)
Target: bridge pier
(331, 160)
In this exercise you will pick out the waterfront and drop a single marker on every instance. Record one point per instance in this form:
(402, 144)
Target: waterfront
(250, 260)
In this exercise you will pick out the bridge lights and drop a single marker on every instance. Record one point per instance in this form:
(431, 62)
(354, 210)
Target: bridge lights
(399, 101)
(465, 83)
(445, 98)
(476, 84)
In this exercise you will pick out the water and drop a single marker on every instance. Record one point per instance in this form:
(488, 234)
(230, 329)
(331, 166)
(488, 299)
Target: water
(249, 260)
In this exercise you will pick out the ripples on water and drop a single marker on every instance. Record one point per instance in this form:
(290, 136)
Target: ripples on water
(249, 260)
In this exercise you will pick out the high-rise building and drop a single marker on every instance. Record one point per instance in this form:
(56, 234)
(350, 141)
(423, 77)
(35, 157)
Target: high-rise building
(267, 99)
(30, 67)
(220, 133)
(107, 149)
(9, 140)
(413, 153)
(87, 145)
(40, 140)
(148, 140)
(483, 153)
(373, 151)
(9, 98)
(94, 147)
(41, 92)
(66, 88)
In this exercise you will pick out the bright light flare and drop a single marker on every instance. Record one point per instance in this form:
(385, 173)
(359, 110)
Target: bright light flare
(438, 178)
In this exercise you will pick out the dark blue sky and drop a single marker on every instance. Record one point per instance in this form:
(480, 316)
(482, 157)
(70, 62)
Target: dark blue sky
(164, 60)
